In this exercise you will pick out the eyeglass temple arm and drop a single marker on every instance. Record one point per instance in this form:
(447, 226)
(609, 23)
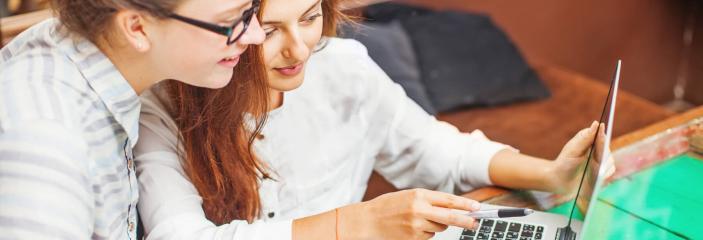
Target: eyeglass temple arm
(208, 26)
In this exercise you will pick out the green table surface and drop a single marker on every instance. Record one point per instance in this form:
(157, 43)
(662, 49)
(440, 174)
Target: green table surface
(662, 202)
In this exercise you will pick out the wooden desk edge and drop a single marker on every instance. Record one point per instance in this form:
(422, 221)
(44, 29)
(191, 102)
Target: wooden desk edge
(655, 128)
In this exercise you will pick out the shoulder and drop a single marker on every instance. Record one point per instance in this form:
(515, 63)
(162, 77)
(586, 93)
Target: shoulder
(341, 60)
(344, 64)
(341, 49)
(40, 85)
(158, 130)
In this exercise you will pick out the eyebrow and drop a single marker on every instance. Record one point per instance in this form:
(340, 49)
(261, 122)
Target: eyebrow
(306, 12)
(236, 9)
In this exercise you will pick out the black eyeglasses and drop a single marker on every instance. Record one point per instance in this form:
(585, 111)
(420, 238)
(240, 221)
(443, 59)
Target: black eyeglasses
(234, 32)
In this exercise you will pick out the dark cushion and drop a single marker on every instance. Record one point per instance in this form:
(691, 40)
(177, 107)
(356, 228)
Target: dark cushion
(390, 47)
(465, 60)
(388, 11)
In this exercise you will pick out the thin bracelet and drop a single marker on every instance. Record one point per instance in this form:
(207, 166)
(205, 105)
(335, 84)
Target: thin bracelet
(336, 223)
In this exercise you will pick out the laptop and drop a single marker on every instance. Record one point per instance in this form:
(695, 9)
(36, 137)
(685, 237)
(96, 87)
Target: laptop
(543, 225)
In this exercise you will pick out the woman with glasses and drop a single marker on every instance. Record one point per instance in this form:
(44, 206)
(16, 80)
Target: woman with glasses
(296, 167)
(69, 105)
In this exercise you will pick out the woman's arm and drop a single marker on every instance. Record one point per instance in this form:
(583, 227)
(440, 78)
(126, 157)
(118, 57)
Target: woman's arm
(412, 148)
(515, 170)
(409, 214)
(419, 151)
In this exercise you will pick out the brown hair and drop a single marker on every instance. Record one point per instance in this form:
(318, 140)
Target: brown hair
(217, 145)
(90, 19)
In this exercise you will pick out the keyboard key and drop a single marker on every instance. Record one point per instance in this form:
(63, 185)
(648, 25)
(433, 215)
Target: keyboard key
(485, 229)
(540, 229)
(487, 222)
(482, 236)
(529, 227)
(525, 238)
(497, 235)
(538, 235)
(526, 233)
(466, 238)
(500, 226)
(512, 235)
(468, 232)
(514, 227)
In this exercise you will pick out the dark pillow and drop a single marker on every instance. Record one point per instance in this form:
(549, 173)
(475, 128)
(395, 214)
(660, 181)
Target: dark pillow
(465, 60)
(390, 47)
(390, 11)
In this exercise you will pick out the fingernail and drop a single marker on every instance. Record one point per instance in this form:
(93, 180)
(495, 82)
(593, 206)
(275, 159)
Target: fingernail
(474, 225)
(476, 205)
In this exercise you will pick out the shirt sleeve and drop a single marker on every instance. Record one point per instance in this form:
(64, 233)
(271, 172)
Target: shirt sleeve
(417, 150)
(45, 192)
(170, 206)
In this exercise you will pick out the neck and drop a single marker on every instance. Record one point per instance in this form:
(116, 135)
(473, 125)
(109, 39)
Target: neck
(133, 67)
(276, 99)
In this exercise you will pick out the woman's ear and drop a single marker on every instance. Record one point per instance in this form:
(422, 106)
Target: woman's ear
(130, 24)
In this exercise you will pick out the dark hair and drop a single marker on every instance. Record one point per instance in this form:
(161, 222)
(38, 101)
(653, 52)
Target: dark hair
(91, 19)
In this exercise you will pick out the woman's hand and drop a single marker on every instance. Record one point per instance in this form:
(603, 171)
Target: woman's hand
(409, 214)
(565, 173)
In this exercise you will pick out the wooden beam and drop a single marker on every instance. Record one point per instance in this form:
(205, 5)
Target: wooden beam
(13, 25)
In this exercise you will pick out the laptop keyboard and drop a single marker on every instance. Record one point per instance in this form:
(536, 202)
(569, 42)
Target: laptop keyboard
(490, 229)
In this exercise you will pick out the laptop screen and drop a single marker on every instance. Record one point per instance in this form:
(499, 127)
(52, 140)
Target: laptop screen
(597, 153)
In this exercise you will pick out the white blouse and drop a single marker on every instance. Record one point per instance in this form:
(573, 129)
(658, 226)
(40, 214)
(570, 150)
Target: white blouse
(346, 120)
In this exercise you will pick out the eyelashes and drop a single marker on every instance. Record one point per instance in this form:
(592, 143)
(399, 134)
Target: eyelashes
(306, 21)
(313, 17)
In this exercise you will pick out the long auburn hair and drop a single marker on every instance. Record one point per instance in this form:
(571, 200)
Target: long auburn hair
(216, 143)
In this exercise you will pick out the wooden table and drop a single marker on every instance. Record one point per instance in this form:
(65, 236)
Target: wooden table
(504, 196)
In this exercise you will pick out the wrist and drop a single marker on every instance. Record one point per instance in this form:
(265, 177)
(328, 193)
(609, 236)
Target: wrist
(351, 223)
(549, 177)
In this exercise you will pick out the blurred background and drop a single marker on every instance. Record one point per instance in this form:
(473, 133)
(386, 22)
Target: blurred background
(659, 40)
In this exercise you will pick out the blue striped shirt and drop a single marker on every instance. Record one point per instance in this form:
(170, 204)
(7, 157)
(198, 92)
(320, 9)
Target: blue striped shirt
(68, 122)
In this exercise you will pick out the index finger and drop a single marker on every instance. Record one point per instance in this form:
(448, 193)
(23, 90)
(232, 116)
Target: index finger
(447, 200)
(448, 217)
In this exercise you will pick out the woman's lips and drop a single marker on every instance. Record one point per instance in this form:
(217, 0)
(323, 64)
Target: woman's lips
(229, 62)
(290, 70)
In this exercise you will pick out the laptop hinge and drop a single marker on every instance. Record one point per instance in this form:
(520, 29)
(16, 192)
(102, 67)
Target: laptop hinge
(565, 233)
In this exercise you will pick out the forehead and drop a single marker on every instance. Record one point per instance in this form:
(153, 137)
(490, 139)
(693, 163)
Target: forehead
(281, 10)
(212, 7)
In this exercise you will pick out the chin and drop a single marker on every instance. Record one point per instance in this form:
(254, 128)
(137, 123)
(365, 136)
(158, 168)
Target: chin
(286, 84)
(215, 82)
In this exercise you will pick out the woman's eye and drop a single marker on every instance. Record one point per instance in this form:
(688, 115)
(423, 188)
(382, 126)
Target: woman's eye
(312, 18)
(270, 32)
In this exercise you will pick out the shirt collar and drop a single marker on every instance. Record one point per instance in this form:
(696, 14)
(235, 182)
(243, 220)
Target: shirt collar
(107, 82)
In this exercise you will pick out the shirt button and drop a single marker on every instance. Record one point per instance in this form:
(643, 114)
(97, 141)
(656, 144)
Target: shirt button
(131, 226)
(272, 214)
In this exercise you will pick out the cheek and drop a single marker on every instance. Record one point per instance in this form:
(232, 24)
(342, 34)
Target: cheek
(187, 53)
(271, 48)
(313, 35)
